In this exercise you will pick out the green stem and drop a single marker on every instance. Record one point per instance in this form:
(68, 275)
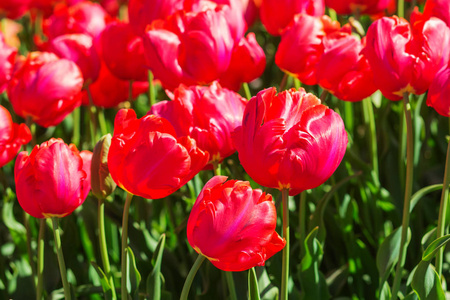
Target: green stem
(408, 192)
(401, 8)
(297, 83)
(324, 95)
(247, 92)
(230, 283)
(102, 243)
(216, 168)
(26, 222)
(283, 82)
(76, 126)
(151, 89)
(285, 263)
(187, 284)
(102, 121)
(302, 217)
(59, 253)
(370, 123)
(443, 211)
(40, 259)
(93, 124)
(125, 246)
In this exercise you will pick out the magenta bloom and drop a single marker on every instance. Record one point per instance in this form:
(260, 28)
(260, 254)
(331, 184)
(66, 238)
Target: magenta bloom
(7, 58)
(53, 180)
(277, 14)
(208, 114)
(439, 93)
(290, 140)
(233, 225)
(192, 47)
(45, 88)
(439, 9)
(347, 7)
(405, 59)
(12, 137)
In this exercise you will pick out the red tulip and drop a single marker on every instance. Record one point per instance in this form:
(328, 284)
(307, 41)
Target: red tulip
(80, 49)
(84, 17)
(50, 182)
(191, 48)
(108, 90)
(405, 59)
(45, 88)
(439, 9)
(142, 13)
(174, 161)
(7, 58)
(123, 52)
(248, 62)
(439, 93)
(342, 69)
(277, 14)
(290, 140)
(13, 9)
(208, 114)
(12, 137)
(301, 46)
(233, 225)
(348, 7)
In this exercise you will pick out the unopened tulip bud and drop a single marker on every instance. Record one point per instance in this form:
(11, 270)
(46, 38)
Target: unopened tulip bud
(102, 183)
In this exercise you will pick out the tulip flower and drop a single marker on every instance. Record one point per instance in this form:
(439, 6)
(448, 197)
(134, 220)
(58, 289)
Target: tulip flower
(142, 13)
(52, 180)
(290, 140)
(7, 58)
(439, 93)
(369, 7)
(301, 46)
(405, 59)
(80, 49)
(174, 160)
(208, 114)
(12, 137)
(108, 90)
(276, 15)
(13, 9)
(233, 225)
(84, 17)
(192, 48)
(123, 52)
(45, 88)
(439, 9)
(342, 69)
(248, 62)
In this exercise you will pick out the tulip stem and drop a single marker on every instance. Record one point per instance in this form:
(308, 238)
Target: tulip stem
(102, 243)
(26, 222)
(283, 82)
(40, 259)
(443, 211)
(187, 284)
(230, 283)
(247, 92)
(76, 126)
(408, 192)
(216, 168)
(401, 8)
(93, 124)
(151, 89)
(302, 218)
(102, 121)
(370, 123)
(59, 253)
(124, 266)
(285, 263)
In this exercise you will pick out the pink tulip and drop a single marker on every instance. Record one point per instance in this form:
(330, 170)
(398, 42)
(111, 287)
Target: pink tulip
(248, 62)
(233, 225)
(290, 140)
(7, 58)
(405, 59)
(277, 14)
(342, 69)
(13, 9)
(439, 93)
(51, 181)
(45, 88)
(301, 46)
(208, 114)
(80, 49)
(439, 9)
(12, 137)
(369, 7)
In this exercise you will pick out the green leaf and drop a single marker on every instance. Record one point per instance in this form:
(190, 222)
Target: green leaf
(422, 192)
(134, 275)
(268, 291)
(103, 281)
(434, 247)
(312, 281)
(426, 282)
(253, 290)
(154, 279)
